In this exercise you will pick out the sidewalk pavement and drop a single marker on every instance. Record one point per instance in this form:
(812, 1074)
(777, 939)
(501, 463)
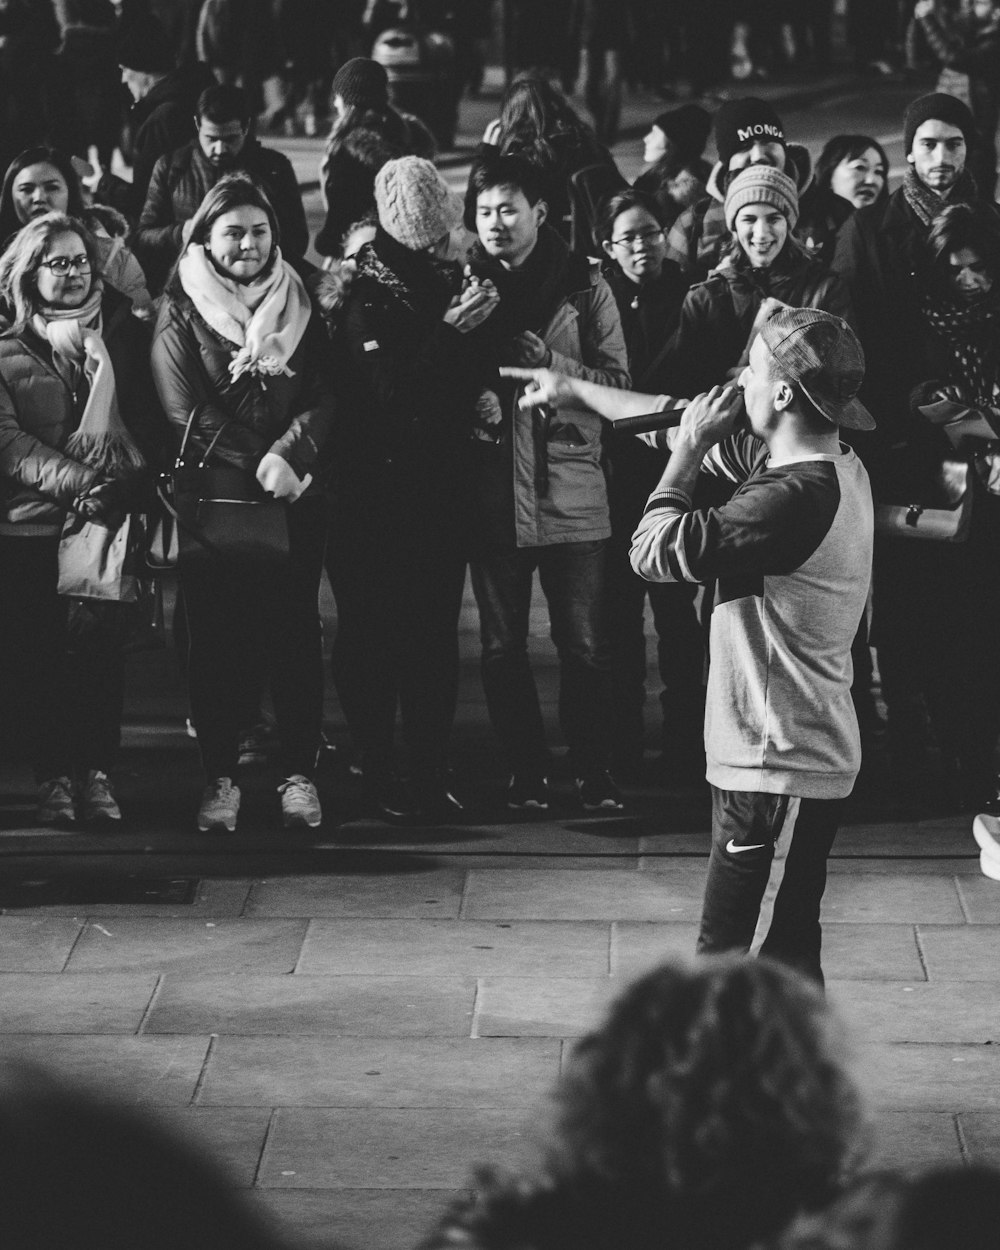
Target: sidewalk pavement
(351, 1019)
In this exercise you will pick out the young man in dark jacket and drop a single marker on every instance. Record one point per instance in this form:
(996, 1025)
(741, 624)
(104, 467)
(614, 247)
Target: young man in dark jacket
(182, 178)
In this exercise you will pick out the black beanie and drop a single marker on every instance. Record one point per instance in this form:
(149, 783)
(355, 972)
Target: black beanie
(145, 46)
(741, 123)
(939, 107)
(362, 82)
(687, 128)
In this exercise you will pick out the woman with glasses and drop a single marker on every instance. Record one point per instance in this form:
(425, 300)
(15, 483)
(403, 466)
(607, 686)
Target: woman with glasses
(649, 291)
(74, 360)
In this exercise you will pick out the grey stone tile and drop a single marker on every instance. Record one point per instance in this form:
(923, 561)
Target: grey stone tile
(871, 952)
(233, 1137)
(671, 895)
(901, 838)
(213, 897)
(916, 1077)
(303, 1005)
(190, 946)
(941, 1013)
(981, 1131)
(388, 1148)
(376, 1072)
(66, 1002)
(969, 953)
(155, 1070)
(355, 1219)
(906, 898)
(528, 1007)
(637, 948)
(454, 948)
(913, 1140)
(436, 894)
(981, 898)
(36, 943)
(587, 837)
(694, 845)
(932, 866)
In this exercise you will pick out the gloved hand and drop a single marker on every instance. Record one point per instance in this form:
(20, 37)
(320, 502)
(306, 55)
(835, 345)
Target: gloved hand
(105, 503)
(279, 479)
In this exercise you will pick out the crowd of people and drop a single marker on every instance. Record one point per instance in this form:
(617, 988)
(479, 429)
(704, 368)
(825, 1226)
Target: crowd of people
(715, 1107)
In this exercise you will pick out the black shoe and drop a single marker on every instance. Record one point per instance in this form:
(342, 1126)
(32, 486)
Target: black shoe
(390, 800)
(528, 792)
(598, 793)
(435, 800)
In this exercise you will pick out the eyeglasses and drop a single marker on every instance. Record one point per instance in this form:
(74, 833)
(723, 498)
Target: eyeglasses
(61, 265)
(645, 238)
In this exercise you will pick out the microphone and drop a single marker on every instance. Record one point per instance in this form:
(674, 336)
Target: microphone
(665, 419)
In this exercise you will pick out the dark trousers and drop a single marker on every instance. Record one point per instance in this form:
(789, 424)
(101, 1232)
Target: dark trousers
(398, 588)
(572, 579)
(766, 876)
(63, 691)
(236, 616)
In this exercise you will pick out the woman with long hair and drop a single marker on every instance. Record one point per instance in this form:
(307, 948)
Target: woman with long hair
(42, 180)
(76, 390)
(238, 351)
(850, 173)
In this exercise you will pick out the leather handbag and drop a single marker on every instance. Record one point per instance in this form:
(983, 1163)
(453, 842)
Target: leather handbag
(942, 513)
(96, 562)
(214, 512)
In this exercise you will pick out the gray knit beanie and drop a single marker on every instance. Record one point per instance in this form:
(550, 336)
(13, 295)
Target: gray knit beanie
(415, 205)
(762, 184)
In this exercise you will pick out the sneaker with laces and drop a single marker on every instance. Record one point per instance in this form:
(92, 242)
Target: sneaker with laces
(299, 803)
(55, 802)
(97, 800)
(220, 805)
(597, 792)
(528, 792)
(986, 831)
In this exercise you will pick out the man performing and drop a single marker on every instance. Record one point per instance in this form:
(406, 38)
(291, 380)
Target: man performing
(791, 552)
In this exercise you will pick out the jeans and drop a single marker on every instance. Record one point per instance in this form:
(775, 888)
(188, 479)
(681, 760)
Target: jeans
(572, 577)
(240, 619)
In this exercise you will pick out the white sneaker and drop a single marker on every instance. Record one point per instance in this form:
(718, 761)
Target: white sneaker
(986, 831)
(989, 865)
(220, 805)
(299, 803)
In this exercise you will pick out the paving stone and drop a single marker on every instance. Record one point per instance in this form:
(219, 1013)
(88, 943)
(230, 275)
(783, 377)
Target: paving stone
(303, 1005)
(388, 1148)
(981, 1131)
(527, 1007)
(638, 948)
(435, 895)
(213, 897)
(355, 1219)
(930, 1078)
(895, 839)
(695, 844)
(36, 943)
(73, 1003)
(981, 898)
(454, 948)
(376, 1072)
(155, 1071)
(911, 1141)
(589, 837)
(932, 866)
(948, 1012)
(871, 952)
(906, 898)
(232, 1136)
(190, 946)
(969, 953)
(672, 894)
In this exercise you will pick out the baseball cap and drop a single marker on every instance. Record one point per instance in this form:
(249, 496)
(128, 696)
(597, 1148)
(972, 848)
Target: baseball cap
(820, 353)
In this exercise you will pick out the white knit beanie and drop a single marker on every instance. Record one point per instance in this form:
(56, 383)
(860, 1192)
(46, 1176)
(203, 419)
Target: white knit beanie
(415, 205)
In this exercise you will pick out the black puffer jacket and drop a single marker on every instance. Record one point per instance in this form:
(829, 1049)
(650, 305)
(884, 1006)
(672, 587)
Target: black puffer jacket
(181, 180)
(289, 414)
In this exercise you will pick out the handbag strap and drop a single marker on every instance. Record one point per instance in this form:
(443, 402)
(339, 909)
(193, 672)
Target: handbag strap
(188, 428)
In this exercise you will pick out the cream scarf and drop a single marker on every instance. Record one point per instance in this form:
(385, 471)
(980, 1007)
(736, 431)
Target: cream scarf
(265, 319)
(74, 334)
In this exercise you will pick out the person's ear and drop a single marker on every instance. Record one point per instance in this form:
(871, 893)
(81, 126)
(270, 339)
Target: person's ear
(783, 396)
(609, 248)
(909, 157)
(541, 212)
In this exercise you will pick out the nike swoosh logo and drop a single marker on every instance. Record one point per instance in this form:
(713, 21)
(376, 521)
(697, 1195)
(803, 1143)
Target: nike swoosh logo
(733, 849)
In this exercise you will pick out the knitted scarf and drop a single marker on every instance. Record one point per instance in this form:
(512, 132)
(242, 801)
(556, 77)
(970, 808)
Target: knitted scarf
(927, 203)
(970, 333)
(74, 334)
(265, 318)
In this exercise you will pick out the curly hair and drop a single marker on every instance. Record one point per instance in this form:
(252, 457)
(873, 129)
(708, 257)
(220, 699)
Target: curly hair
(711, 1106)
(19, 263)
(532, 113)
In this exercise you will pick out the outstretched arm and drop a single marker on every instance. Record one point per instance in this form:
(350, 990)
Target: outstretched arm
(546, 386)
